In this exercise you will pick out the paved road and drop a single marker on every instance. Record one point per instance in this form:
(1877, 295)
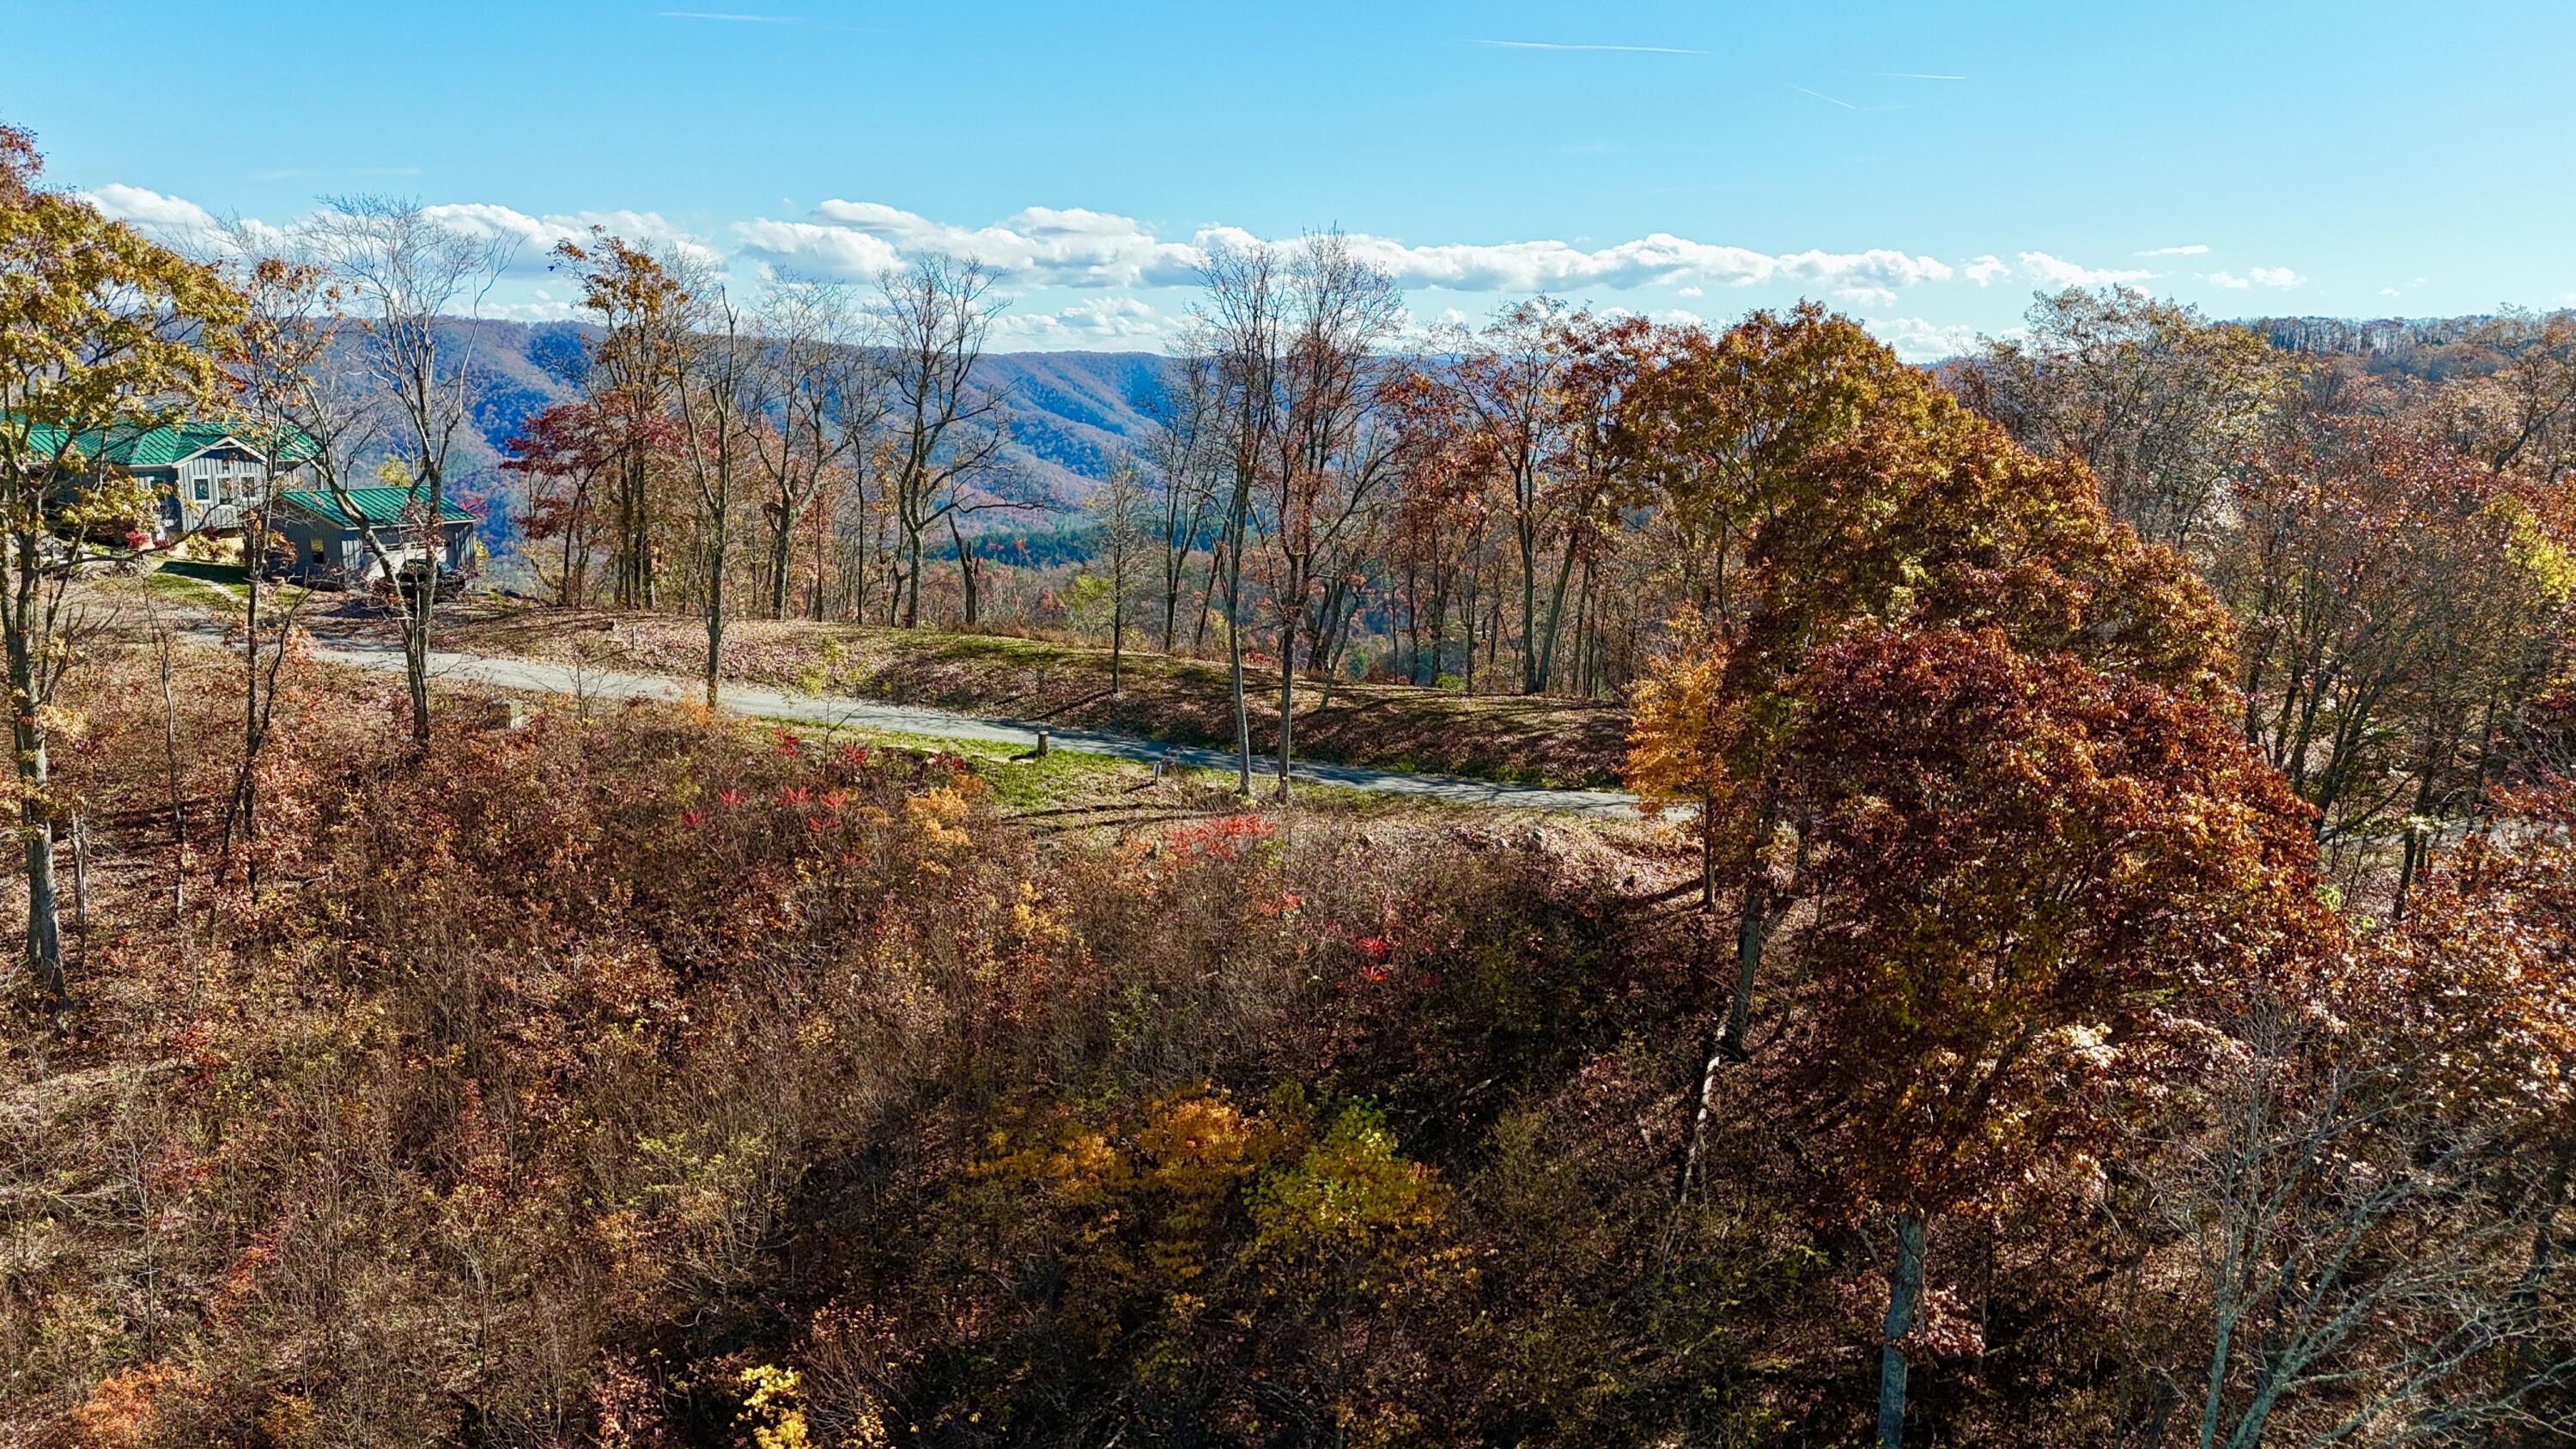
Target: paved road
(547, 678)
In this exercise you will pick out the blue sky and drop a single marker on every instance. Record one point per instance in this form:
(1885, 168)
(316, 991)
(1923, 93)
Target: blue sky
(1923, 167)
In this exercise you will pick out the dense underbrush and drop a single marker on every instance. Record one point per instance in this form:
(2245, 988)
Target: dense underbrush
(665, 1080)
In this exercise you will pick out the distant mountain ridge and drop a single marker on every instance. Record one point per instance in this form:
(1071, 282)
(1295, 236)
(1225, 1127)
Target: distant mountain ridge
(1066, 414)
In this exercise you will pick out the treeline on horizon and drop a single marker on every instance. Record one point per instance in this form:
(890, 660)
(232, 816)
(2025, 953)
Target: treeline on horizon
(2098, 973)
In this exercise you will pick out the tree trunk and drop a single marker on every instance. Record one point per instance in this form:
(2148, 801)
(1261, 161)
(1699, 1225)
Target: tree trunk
(1904, 1302)
(416, 652)
(715, 617)
(965, 571)
(1751, 928)
(782, 561)
(36, 829)
(1287, 695)
(1117, 636)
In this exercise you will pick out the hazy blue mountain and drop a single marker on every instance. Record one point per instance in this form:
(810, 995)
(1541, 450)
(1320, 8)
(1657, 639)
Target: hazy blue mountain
(1066, 414)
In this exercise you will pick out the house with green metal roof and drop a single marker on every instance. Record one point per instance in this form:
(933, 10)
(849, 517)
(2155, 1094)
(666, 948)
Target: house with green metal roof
(321, 535)
(207, 474)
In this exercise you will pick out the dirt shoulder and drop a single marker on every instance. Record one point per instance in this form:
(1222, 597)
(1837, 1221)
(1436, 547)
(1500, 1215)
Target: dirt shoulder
(1555, 742)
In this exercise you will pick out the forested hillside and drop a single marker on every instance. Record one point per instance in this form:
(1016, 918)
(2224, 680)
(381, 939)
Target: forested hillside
(1064, 414)
(2089, 965)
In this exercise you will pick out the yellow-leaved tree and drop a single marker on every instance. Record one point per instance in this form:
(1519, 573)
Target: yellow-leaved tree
(103, 333)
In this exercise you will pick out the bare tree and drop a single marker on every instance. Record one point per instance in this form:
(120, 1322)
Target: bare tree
(303, 412)
(2360, 1227)
(723, 403)
(1120, 509)
(1238, 333)
(1330, 465)
(2157, 400)
(830, 397)
(407, 270)
(1184, 458)
(945, 435)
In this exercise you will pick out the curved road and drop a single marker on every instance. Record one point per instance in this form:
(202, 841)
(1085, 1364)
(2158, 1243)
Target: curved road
(550, 678)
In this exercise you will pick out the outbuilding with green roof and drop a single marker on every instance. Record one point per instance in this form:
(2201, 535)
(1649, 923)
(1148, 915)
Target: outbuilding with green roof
(322, 535)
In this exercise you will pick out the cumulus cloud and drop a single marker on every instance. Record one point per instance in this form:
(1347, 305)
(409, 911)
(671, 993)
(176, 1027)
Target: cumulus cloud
(1074, 247)
(2058, 272)
(119, 202)
(1917, 340)
(181, 223)
(1092, 322)
(2281, 277)
(177, 222)
(537, 235)
(1985, 269)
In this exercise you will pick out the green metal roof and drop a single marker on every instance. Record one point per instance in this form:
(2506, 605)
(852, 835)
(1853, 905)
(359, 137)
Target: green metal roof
(132, 447)
(377, 507)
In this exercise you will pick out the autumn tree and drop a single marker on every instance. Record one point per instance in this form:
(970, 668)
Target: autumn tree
(2156, 400)
(2398, 602)
(561, 455)
(1719, 427)
(101, 332)
(641, 303)
(2017, 862)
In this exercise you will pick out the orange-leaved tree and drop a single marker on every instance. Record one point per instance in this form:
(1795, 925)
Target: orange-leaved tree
(1926, 516)
(2021, 866)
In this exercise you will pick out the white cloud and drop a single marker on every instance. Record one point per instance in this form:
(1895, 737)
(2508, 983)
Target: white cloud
(537, 235)
(1985, 269)
(177, 222)
(2058, 272)
(1917, 340)
(2281, 277)
(1073, 247)
(2193, 250)
(119, 202)
(1093, 322)
(2392, 291)
(1692, 292)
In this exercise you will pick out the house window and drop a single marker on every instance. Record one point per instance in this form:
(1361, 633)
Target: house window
(205, 488)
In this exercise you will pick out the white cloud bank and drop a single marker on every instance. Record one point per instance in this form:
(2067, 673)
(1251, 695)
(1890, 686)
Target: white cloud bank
(1105, 260)
(1050, 247)
(2059, 273)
